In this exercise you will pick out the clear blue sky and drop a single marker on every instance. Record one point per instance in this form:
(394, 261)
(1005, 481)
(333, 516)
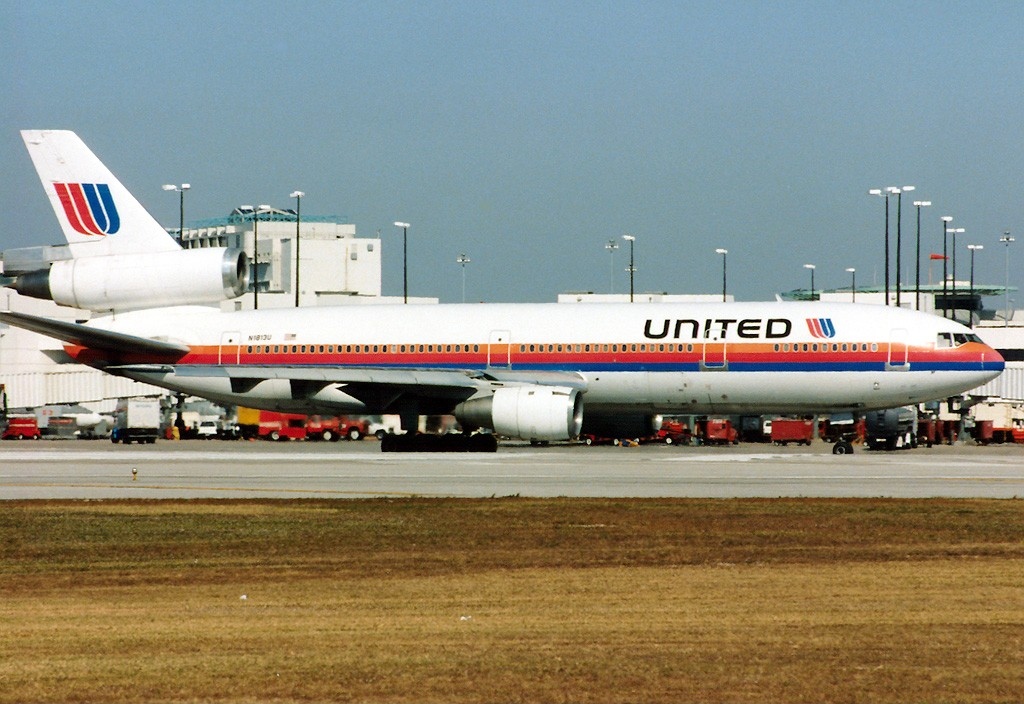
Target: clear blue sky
(527, 134)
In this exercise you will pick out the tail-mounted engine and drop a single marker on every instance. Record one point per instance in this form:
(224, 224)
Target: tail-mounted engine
(135, 281)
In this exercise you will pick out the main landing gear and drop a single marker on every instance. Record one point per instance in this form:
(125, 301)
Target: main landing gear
(451, 442)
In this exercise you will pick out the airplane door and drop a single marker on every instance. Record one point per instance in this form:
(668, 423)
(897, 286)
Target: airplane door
(499, 349)
(897, 351)
(714, 357)
(230, 349)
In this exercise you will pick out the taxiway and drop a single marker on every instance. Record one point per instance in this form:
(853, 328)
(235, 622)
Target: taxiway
(95, 470)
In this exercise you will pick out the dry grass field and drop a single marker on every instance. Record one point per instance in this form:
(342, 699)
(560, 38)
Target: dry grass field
(512, 600)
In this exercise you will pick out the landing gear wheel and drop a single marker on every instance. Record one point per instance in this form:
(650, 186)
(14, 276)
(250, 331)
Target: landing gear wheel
(842, 448)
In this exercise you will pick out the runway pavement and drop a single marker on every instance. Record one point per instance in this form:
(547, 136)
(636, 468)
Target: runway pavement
(216, 469)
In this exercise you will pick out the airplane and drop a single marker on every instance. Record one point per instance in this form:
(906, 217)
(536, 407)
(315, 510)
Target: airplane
(532, 371)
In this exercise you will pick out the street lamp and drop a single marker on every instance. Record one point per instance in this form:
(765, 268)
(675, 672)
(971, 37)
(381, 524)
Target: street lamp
(463, 260)
(946, 219)
(954, 232)
(917, 258)
(611, 247)
(885, 194)
(853, 283)
(1006, 240)
(725, 255)
(811, 267)
(974, 248)
(181, 206)
(899, 237)
(297, 195)
(632, 269)
(405, 260)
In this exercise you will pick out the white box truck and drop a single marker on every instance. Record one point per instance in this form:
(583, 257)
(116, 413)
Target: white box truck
(136, 420)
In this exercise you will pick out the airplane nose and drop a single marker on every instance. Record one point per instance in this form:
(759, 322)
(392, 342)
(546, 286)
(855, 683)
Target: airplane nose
(991, 360)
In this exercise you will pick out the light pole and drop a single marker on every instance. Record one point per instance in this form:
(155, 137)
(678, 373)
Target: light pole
(1007, 240)
(811, 267)
(297, 195)
(954, 232)
(974, 248)
(946, 219)
(917, 257)
(853, 283)
(632, 269)
(181, 206)
(405, 260)
(878, 192)
(463, 260)
(899, 237)
(611, 247)
(725, 256)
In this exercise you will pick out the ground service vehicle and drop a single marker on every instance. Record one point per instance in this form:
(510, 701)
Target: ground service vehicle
(716, 431)
(999, 421)
(271, 425)
(334, 428)
(21, 429)
(136, 420)
(672, 432)
(207, 429)
(787, 430)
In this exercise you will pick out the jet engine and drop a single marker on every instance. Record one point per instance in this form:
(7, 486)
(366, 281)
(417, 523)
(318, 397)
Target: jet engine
(530, 412)
(134, 281)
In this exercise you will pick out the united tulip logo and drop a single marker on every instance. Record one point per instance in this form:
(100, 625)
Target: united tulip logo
(89, 207)
(821, 327)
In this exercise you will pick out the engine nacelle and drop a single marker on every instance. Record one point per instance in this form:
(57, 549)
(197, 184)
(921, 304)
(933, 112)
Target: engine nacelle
(136, 281)
(529, 412)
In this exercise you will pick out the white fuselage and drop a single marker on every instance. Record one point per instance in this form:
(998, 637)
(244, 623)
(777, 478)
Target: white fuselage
(627, 358)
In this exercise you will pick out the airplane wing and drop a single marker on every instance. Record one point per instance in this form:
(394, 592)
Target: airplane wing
(102, 340)
(372, 384)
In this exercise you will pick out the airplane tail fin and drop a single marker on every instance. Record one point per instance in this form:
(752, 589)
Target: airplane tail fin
(97, 213)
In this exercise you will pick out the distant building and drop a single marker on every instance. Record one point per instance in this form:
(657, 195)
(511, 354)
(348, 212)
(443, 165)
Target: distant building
(335, 266)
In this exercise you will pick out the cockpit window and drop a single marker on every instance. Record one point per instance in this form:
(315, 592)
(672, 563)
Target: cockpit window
(955, 339)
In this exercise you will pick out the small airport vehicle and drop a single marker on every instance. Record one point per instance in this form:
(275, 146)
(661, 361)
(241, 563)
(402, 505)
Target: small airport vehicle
(271, 425)
(136, 420)
(787, 430)
(207, 429)
(671, 432)
(334, 428)
(21, 429)
(716, 431)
